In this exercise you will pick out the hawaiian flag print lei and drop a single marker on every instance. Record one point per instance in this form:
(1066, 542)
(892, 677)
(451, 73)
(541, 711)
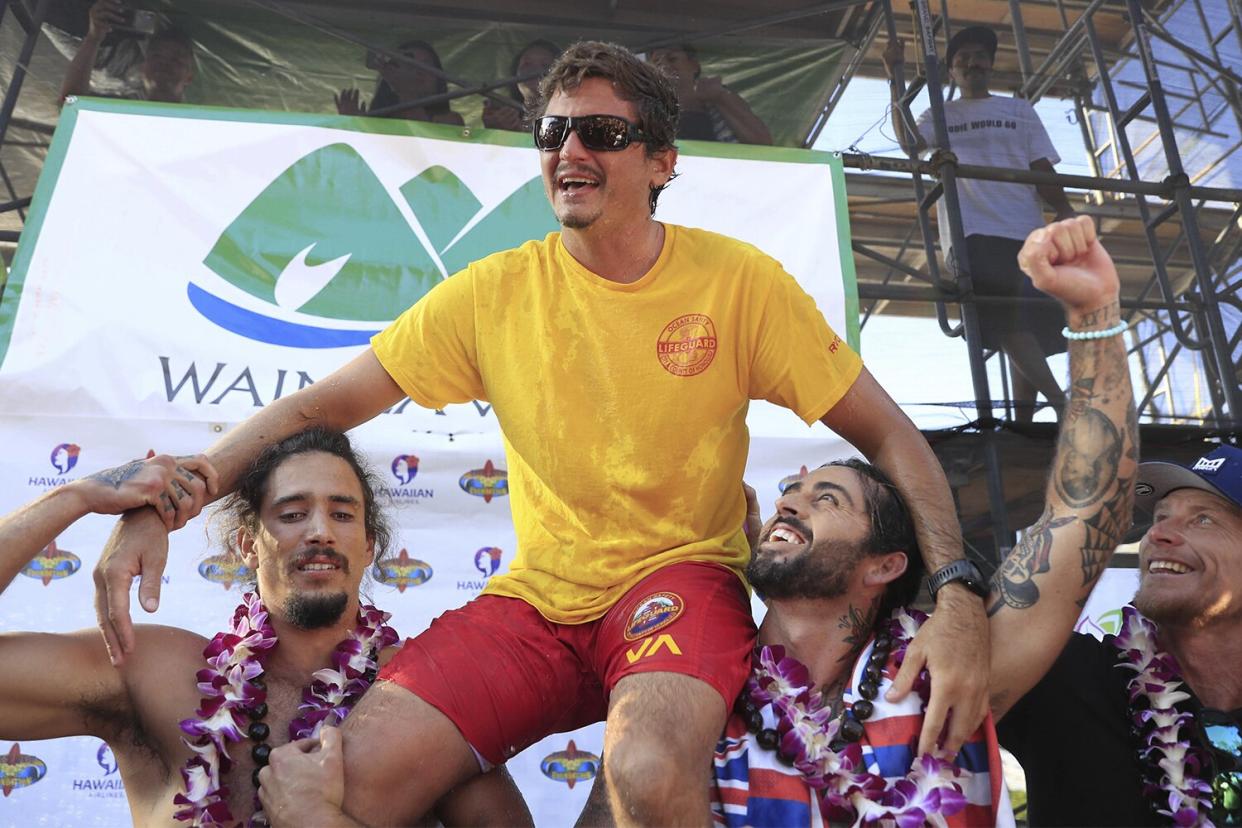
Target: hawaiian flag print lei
(1173, 766)
(230, 693)
(848, 792)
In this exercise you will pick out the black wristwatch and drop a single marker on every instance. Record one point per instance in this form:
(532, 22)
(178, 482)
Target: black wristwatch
(964, 571)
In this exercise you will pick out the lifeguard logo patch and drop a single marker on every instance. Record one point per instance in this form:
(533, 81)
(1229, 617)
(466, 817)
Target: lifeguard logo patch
(655, 612)
(687, 345)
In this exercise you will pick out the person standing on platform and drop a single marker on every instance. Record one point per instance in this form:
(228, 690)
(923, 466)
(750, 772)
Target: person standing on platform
(994, 131)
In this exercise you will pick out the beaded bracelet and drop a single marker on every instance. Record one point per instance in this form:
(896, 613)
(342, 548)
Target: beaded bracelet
(1120, 327)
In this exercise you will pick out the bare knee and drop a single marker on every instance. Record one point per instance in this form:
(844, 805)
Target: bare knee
(647, 775)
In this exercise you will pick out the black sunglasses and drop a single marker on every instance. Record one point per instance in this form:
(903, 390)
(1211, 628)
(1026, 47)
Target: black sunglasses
(607, 133)
(1223, 736)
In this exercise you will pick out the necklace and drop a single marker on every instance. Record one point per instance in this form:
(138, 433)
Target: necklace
(826, 749)
(1172, 766)
(235, 697)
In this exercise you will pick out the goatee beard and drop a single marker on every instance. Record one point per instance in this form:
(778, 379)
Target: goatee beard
(315, 610)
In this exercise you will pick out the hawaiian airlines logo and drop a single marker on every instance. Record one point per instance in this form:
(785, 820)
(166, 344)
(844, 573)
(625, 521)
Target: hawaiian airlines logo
(19, 770)
(106, 759)
(64, 457)
(687, 345)
(52, 564)
(655, 612)
(487, 482)
(402, 571)
(570, 765)
(324, 257)
(226, 569)
(487, 560)
(404, 468)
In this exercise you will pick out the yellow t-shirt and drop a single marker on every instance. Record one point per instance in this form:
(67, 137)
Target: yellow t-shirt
(623, 407)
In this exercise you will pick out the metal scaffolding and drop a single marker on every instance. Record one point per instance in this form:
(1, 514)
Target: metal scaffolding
(1178, 319)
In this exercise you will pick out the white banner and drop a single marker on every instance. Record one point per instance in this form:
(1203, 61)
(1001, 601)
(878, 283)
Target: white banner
(183, 267)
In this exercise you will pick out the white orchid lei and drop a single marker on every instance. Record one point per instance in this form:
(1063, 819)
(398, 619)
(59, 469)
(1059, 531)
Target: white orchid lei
(1173, 767)
(847, 791)
(234, 694)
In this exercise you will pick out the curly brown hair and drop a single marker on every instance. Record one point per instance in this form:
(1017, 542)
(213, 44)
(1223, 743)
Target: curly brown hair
(633, 79)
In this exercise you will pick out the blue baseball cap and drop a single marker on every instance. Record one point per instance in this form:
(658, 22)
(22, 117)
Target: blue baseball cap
(1219, 472)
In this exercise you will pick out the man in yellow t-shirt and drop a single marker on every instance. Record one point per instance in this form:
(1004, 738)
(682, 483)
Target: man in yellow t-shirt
(619, 356)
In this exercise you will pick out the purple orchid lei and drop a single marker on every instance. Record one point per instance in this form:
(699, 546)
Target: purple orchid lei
(848, 792)
(1173, 766)
(231, 694)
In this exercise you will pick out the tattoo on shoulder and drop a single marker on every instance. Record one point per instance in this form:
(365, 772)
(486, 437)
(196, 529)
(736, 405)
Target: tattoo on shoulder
(1013, 585)
(115, 477)
(858, 623)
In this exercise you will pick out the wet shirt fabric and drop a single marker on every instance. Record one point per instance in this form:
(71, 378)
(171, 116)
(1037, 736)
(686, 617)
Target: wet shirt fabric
(753, 787)
(1071, 734)
(623, 406)
(994, 132)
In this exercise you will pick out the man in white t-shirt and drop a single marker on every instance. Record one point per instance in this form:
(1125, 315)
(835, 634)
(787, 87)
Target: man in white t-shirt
(993, 131)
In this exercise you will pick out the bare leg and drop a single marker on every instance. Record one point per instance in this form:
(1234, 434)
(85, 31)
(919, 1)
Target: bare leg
(1028, 359)
(401, 755)
(658, 745)
(596, 813)
(1024, 395)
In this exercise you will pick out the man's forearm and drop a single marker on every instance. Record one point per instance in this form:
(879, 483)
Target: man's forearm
(746, 125)
(78, 77)
(348, 397)
(27, 532)
(914, 468)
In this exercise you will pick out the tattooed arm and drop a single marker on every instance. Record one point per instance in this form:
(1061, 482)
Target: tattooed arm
(177, 488)
(1038, 591)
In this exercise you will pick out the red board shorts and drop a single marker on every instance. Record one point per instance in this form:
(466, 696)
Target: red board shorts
(507, 677)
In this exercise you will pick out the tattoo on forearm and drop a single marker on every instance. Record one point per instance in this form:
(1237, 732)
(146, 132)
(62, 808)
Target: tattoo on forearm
(1104, 531)
(1089, 449)
(858, 623)
(115, 477)
(1013, 585)
(1095, 317)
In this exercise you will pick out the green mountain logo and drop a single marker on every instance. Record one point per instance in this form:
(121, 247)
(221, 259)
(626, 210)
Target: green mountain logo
(326, 240)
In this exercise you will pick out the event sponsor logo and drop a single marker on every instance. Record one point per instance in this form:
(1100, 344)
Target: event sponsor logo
(487, 482)
(405, 469)
(64, 457)
(655, 612)
(487, 561)
(52, 564)
(570, 765)
(323, 257)
(19, 770)
(687, 345)
(109, 786)
(226, 569)
(402, 571)
(1106, 623)
(62, 460)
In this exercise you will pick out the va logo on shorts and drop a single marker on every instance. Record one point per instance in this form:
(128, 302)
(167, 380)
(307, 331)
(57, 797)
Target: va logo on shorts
(687, 345)
(655, 612)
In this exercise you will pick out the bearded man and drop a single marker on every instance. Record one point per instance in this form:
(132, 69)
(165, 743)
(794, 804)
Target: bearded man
(304, 520)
